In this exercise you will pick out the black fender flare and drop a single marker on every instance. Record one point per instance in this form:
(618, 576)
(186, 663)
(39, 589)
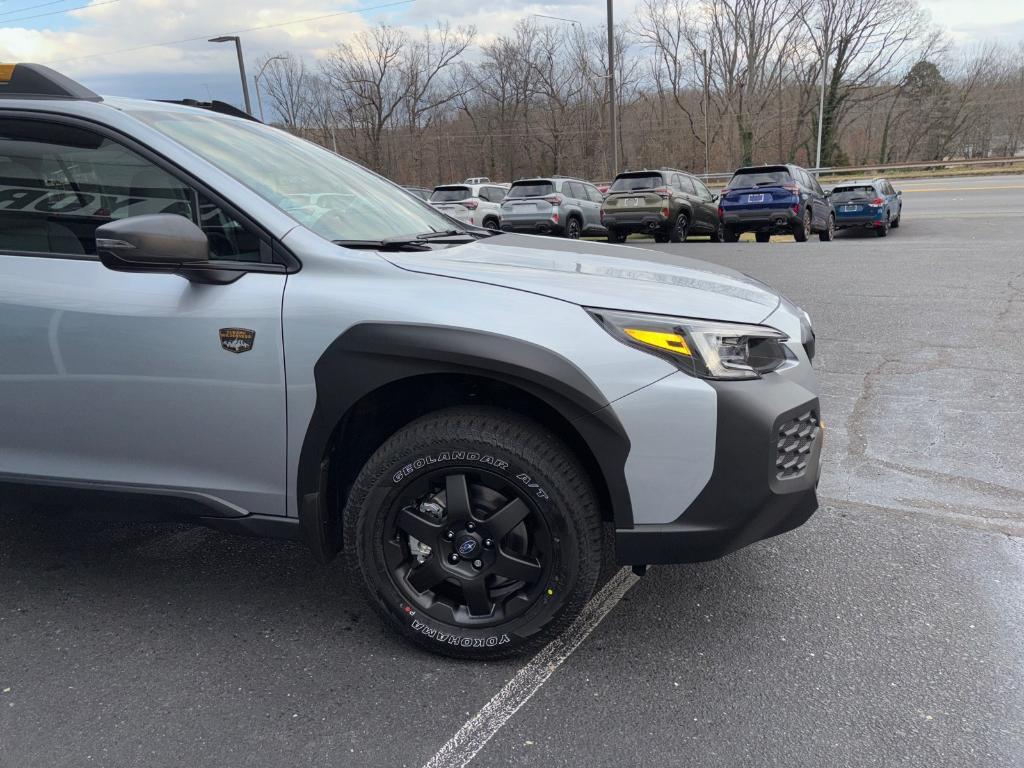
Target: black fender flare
(369, 356)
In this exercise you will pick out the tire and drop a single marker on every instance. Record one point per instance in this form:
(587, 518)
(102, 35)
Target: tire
(802, 233)
(883, 230)
(614, 236)
(679, 230)
(763, 237)
(573, 228)
(731, 235)
(660, 237)
(896, 221)
(528, 512)
(491, 223)
(828, 234)
(718, 234)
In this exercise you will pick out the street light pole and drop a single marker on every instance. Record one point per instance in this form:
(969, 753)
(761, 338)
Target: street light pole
(613, 129)
(241, 65)
(821, 103)
(707, 148)
(256, 81)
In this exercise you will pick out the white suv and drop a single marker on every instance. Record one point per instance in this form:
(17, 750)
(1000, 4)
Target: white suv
(476, 204)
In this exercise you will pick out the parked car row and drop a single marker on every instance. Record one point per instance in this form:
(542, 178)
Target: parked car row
(670, 205)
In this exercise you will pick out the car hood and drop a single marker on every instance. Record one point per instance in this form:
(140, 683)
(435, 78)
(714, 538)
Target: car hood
(600, 275)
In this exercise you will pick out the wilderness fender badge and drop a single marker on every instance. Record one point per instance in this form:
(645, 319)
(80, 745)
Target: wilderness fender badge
(237, 340)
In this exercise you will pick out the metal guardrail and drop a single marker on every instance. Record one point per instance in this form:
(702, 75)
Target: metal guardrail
(890, 167)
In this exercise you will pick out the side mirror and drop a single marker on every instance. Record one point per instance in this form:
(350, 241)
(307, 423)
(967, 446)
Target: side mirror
(899, 193)
(828, 193)
(715, 197)
(159, 242)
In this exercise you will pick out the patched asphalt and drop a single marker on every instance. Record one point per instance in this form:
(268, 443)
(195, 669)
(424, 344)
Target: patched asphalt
(888, 631)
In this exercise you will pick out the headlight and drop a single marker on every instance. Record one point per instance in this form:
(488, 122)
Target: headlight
(702, 348)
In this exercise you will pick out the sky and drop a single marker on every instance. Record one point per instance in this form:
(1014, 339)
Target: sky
(159, 48)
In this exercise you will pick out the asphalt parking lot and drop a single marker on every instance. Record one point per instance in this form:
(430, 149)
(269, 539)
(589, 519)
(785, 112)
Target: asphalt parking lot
(888, 631)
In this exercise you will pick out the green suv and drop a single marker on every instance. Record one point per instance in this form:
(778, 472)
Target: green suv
(666, 204)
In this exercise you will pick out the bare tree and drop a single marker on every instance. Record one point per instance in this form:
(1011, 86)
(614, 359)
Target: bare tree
(285, 83)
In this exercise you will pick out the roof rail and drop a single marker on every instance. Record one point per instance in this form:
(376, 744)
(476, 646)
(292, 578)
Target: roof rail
(220, 107)
(34, 81)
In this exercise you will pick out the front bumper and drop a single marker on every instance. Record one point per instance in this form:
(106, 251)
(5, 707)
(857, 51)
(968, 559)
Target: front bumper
(768, 443)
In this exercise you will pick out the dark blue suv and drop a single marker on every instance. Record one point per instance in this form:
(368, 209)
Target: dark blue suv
(870, 204)
(773, 200)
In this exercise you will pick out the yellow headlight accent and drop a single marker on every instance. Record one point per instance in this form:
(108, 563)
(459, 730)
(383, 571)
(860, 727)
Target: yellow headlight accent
(6, 72)
(672, 342)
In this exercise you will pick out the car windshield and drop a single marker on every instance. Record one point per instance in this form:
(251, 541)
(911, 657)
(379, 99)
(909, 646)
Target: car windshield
(637, 182)
(860, 192)
(760, 178)
(332, 196)
(451, 194)
(531, 189)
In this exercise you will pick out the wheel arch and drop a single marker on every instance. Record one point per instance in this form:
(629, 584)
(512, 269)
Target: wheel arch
(377, 377)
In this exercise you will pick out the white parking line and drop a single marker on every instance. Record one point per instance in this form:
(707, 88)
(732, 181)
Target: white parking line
(471, 737)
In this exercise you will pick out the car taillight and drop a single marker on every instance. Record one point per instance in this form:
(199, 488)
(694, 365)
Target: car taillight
(663, 191)
(721, 212)
(794, 188)
(796, 208)
(877, 202)
(471, 204)
(664, 212)
(553, 199)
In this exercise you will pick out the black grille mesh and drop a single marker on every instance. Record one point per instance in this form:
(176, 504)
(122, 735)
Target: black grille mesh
(795, 441)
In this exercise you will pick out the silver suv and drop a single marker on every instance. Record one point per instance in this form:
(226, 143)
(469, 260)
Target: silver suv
(553, 206)
(470, 416)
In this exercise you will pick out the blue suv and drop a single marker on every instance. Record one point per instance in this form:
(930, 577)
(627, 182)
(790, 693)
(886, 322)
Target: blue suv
(773, 200)
(867, 204)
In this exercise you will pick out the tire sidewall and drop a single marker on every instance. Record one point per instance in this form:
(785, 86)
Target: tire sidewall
(393, 474)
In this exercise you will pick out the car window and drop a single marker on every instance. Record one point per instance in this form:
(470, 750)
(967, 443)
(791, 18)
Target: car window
(275, 165)
(849, 192)
(497, 194)
(760, 177)
(531, 189)
(594, 194)
(577, 191)
(814, 182)
(450, 194)
(59, 183)
(684, 183)
(637, 181)
(701, 189)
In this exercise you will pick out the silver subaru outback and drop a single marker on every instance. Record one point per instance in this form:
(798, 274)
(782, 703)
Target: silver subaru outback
(206, 315)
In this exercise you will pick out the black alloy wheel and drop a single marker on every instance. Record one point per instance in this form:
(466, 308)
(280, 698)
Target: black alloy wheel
(572, 228)
(803, 231)
(679, 229)
(489, 548)
(828, 234)
(474, 532)
(718, 234)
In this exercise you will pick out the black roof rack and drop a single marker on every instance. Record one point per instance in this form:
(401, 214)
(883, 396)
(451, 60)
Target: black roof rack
(34, 81)
(220, 107)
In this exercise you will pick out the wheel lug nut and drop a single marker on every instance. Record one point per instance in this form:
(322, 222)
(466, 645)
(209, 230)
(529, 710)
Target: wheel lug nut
(449, 535)
(470, 526)
(489, 543)
(453, 558)
(478, 564)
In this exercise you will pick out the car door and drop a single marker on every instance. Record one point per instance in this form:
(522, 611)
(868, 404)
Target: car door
(594, 200)
(708, 208)
(822, 205)
(132, 381)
